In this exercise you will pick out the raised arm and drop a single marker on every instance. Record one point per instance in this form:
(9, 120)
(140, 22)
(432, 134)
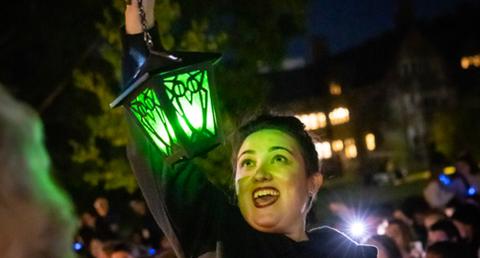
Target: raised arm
(133, 24)
(184, 203)
(135, 50)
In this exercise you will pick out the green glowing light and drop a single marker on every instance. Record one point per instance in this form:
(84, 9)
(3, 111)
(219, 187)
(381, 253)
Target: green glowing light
(190, 95)
(146, 108)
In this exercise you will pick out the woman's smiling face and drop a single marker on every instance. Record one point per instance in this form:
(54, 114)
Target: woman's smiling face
(272, 183)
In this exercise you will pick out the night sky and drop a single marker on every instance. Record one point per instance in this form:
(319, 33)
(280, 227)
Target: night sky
(347, 23)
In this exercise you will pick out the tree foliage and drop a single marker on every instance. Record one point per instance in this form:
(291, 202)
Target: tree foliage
(247, 34)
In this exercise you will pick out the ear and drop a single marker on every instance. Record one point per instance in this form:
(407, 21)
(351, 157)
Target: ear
(315, 181)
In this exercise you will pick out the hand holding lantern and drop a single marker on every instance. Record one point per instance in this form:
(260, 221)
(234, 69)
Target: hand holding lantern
(171, 95)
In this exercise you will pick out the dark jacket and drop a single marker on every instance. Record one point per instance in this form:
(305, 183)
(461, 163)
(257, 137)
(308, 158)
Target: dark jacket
(197, 217)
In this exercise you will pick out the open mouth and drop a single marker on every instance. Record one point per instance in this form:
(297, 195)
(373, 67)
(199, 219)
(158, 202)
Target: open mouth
(265, 196)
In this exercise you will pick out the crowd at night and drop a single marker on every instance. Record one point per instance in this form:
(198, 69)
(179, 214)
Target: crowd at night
(300, 128)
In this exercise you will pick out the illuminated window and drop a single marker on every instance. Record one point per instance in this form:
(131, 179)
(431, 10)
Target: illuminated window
(323, 149)
(337, 145)
(313, 121)
(370, 141)
(465, 62)
(335, 89)
(339, 115)
(476, 60)
(350, 148)
(468, 61)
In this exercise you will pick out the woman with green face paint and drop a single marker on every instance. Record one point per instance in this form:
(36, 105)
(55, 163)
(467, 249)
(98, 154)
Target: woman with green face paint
(276, 176)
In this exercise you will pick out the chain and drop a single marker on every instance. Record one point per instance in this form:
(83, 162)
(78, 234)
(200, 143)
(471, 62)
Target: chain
(146, 35)
(148, 38)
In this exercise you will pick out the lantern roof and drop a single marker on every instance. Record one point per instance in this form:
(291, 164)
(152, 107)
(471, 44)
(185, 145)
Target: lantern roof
(161, 62)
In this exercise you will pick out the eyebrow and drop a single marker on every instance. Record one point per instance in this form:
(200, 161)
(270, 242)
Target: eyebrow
(246, 152)
(280, 148)
(273, 148)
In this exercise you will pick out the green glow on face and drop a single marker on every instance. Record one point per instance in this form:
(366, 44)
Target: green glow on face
(190, 95)
(146, 108)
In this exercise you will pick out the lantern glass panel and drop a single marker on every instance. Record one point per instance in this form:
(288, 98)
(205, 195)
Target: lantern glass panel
(189, 93)
(147, 109)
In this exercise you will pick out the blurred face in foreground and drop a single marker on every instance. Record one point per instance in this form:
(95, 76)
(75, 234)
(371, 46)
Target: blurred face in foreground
(272, 184)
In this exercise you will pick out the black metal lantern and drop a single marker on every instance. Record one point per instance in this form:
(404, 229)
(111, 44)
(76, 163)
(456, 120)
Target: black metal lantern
(172, 99)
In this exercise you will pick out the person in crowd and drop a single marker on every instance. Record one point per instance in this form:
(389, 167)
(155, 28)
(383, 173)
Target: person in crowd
(432, 216)
(443, 230)
(146, 231)
(118, 249)
(106, 223)
(401, 234)
(416, 209)
(276, 179)
(436, 193)
(385, 245)
(467, 220)
(447, 249)
(466, 182)
(166, 249)
(461, 187)
(36, 217)
(413, 211)
(86, 232)
(97, 248)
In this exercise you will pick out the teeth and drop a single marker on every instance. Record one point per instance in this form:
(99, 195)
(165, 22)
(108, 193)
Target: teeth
(265, 192)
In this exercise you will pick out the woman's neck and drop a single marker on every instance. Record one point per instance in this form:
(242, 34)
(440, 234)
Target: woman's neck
(298, 235)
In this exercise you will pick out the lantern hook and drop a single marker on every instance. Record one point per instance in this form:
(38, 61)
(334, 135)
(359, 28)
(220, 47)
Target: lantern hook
(148, 38)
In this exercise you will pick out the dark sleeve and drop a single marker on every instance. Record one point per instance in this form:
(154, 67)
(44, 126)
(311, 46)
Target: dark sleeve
(186, 206)
(366, 251)
(135, 52)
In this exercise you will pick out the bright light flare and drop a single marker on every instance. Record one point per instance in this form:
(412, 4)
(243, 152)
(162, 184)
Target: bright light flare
(152, 251)
(337, 145)
(77, 246)
(357, 229)
(324, 150)
(444, 179)
(335, 89)
(339, 115)
(471, 191)
(313, 121)
(370, 141)
(450, 170)
(350, 148)
(382, 228)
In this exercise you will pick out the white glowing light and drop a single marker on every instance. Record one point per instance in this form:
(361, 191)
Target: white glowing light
(370, 141)
(337, 145)
(382, 228)
(468, 61)
(335, 89)
(350, 148)
(313, 121)
(324, 150)
(339, 115)
(357, 229)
